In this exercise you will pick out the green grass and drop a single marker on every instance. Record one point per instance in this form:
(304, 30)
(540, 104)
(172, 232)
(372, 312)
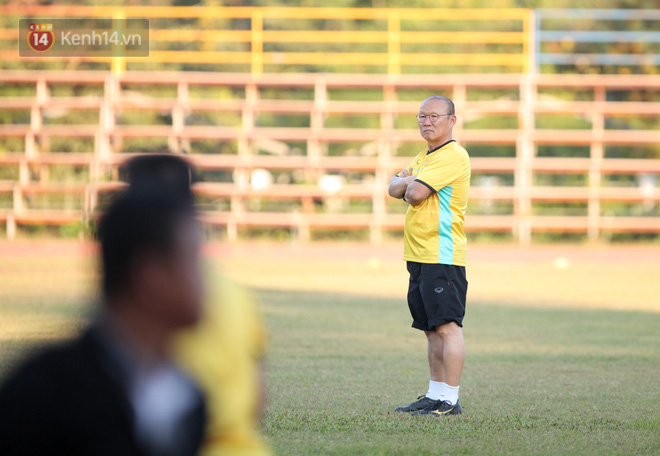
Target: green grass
(538, 379)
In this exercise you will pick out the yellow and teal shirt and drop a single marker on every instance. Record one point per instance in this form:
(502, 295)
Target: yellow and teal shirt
(433, 231)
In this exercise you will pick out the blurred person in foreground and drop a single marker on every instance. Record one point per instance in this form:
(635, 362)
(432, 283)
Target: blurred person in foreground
(224, 351)
(435, 186)
(114, 390)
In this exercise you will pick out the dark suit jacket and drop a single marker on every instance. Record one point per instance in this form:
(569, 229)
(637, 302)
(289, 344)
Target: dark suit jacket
(69, 401)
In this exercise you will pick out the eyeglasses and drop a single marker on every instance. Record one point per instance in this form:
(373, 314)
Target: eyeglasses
(421, 118)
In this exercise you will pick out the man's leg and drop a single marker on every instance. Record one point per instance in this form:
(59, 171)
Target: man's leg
(453, 353)
(436, 358)
(446, 353)
(437, 385)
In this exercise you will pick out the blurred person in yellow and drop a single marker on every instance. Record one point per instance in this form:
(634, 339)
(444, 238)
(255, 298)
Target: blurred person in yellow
(435, 186)
(224, 351)
(224, 354)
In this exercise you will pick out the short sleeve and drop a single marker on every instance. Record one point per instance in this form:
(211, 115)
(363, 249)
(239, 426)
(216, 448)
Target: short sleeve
(444, 170)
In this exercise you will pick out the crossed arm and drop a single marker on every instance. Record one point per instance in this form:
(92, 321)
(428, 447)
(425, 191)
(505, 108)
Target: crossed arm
(404, 187)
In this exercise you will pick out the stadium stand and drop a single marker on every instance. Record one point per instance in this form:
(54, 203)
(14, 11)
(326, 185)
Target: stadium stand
(324, 174)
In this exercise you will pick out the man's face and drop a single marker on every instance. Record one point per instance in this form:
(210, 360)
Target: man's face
(433, 130)
(173, 283)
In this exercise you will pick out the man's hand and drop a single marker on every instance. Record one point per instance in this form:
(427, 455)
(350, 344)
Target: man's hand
(407, 172)
(399, 184)
(404, 187)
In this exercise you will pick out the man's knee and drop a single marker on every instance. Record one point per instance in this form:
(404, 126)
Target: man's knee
(448, 329)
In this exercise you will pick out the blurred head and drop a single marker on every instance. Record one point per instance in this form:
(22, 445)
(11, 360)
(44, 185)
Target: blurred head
(436, 118)
(155, 172)
(150, 252)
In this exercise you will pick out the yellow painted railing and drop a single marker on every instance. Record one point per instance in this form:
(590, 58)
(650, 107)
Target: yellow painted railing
(507, 37)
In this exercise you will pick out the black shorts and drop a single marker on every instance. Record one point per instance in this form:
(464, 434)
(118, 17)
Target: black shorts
(436, 294)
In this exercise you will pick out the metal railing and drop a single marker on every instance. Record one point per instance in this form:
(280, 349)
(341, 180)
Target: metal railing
(575, 33)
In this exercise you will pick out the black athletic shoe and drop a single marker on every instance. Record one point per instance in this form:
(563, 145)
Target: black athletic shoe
(440, 408)
(421, 403)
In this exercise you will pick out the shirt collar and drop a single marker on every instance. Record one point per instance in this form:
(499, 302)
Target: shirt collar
(440, 147)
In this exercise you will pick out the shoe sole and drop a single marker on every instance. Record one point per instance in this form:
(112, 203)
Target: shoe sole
(454, 411)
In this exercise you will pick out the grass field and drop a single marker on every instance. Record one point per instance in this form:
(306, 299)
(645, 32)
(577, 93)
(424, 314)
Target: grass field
(563, 356)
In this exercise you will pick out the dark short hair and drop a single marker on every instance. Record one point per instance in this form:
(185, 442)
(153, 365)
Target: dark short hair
(450, 104)
(145, 218)
(154, 172)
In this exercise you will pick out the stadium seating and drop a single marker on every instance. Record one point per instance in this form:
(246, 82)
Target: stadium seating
(310, 204)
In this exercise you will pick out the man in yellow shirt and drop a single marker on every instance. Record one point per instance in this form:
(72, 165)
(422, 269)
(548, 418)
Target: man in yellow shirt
(435, 186)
